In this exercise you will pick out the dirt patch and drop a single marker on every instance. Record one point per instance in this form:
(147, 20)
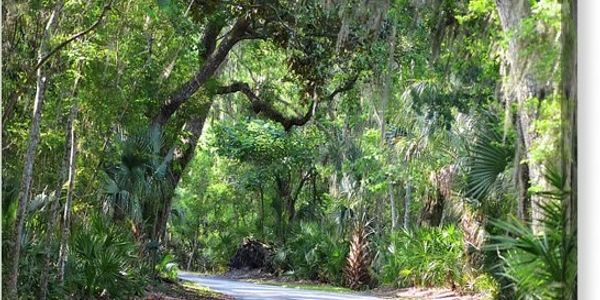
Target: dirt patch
(421, 294)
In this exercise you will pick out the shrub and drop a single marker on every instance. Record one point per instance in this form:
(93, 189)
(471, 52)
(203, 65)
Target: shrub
(167, 267)
(423, 257)
(103, 260)
(315, 252)
(539, 265)
(220, 247)
(486, 287)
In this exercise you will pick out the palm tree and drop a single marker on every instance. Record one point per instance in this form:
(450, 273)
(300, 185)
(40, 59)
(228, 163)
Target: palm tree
(135, 186)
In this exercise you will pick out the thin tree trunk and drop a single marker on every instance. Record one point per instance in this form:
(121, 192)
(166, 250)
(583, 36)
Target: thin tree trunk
(406, 207)
(10, 107)
(194, 247)
(57, 194)
(262, 212)
(393, 207)
(34, 138)
(66, 224)
(386, 95)
(333, 185)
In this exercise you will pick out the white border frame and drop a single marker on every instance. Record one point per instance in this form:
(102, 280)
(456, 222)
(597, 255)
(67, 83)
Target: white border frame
(588, 114)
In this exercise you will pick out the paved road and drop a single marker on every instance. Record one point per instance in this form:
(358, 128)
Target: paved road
(252, 291)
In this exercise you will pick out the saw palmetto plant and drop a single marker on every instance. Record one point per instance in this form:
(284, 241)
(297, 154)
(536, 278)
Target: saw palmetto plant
(540, 265)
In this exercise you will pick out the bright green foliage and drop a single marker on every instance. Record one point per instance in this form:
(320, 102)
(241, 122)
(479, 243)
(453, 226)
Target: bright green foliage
(422, 257)
(167, 268)
(540, 265)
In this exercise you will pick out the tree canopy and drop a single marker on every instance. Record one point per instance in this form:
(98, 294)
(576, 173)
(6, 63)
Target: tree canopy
(393, 142)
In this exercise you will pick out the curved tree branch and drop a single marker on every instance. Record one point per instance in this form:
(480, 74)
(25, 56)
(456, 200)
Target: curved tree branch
(266, 109)
(73, 37)
(346, 86)
(212, 63)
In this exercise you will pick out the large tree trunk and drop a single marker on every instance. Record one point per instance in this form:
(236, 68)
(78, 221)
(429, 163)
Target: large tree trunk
(569, 133)
(472, 225)
(522, 177)
(521, 86)
(569, 108)
(57, 194)
(432, 212)
(66, 219)
(34, 138)
(192, 130)
(213, 57)
(208, 69)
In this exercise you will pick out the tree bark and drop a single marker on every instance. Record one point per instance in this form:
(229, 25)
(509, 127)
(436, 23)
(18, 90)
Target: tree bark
(432, 212)
(262, 212)
(393, 206)
(192, 130)
(210, 66)
(569, 138)
(521, 86)
(522, 177)
(194, 247)
(569, 108)
(34, 138)
(386, 95)
(406, 205)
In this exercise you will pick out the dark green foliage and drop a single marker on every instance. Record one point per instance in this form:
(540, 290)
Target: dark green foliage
(135, 185)
(104, 260)
(489, 157)
(315, 252)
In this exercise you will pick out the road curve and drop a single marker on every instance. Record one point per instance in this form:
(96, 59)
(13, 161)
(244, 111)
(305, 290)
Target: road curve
(252, 291)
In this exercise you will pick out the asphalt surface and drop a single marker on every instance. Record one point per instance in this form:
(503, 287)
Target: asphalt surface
(252, 291)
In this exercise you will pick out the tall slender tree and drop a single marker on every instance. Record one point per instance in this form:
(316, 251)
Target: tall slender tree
(34, 138)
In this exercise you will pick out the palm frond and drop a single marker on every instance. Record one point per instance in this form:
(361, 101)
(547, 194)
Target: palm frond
(542, 265)
(488, 159)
